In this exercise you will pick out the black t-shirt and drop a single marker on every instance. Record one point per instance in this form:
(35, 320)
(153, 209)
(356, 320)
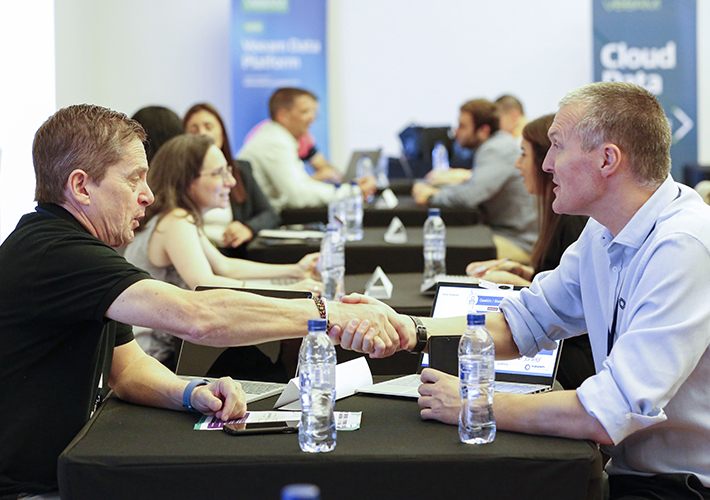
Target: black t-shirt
(56, 283)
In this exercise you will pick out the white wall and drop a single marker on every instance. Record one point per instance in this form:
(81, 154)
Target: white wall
(26, 100)
(391, 62)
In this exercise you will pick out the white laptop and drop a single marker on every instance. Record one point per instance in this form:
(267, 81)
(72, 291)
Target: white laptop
(523, 375)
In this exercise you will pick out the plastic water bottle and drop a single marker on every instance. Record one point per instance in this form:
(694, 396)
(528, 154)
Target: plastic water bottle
(364, 167)
(353, 213)
(300, 492)
(382, 172)
(317, 389)
(332, 263)
(434, 245)
(338, 206)
(477, 424)
(439, 157)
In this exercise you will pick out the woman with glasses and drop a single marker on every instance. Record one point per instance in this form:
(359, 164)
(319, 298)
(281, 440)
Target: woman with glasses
(248, 211)
(190, 176)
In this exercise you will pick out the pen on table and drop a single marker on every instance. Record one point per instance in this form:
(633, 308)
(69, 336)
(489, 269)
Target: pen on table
(486, 267)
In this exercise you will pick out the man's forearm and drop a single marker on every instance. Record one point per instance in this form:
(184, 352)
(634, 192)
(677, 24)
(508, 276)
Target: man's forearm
(557, 413)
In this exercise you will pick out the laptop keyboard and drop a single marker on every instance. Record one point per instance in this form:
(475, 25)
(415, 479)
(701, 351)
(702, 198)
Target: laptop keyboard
(517, 388)
(254, 387)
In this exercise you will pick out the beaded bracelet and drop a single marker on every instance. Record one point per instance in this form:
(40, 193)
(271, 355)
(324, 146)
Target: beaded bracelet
(323, 311)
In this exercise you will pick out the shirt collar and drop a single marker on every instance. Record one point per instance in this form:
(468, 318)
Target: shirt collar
(644, 220)
(59, 212)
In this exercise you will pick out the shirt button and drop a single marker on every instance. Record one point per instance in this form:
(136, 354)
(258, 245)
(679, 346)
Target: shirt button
(615, 269)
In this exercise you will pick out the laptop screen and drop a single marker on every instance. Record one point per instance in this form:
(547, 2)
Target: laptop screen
(458, 299)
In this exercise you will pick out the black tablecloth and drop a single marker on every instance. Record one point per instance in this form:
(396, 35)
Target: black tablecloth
(129, 452)
(409, 213)
(463, 245)
(406, 298)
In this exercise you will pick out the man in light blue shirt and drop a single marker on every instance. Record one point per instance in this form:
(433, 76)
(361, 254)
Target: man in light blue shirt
(638, 280)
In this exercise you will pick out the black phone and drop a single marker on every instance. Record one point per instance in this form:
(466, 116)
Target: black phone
(260, 428)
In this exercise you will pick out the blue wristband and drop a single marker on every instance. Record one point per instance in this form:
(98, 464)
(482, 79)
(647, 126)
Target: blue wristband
(187, 395)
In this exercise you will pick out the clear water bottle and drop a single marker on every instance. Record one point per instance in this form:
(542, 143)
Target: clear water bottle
(317, 389)
(364, 167)
(439, 157)
(300, 492)
(434, 245)
(353, 213)
(332, 263)
(337, 208)
(382, 172)
(477, 424)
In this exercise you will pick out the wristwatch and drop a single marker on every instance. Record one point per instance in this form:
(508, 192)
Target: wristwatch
(421, 335)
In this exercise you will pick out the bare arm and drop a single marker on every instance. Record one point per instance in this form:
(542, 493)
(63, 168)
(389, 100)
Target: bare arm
(558, 413)
(324, 171)
(141, 379)
(178, 241)
(229, 318)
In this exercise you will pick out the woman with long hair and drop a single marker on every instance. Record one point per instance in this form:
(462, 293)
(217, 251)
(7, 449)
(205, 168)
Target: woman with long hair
(190, 176)
(249, 210)
(556, 233)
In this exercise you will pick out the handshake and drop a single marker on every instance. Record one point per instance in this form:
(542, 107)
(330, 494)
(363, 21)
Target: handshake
(364, 324)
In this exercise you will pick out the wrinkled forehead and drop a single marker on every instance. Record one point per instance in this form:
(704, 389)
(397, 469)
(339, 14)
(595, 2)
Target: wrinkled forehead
(566, 119)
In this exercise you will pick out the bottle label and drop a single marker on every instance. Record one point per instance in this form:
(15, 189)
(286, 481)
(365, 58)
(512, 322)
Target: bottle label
(469, 372)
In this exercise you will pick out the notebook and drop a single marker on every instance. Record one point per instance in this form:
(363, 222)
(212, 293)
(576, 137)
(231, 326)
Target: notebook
(351, 171)
(522, 375)
(195, 360)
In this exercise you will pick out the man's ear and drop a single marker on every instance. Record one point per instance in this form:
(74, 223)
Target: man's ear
(484, 130)
(76, 188)
(611, 159)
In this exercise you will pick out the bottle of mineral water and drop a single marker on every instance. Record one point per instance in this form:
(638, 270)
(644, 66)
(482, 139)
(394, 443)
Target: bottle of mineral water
(477, 424)
(434, 245)
(332, 263)
(317, 389)
(300, 492)
(439, 157)
(353, 214)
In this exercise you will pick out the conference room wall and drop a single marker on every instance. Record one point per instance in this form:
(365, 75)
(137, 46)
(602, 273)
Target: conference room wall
(391, 62)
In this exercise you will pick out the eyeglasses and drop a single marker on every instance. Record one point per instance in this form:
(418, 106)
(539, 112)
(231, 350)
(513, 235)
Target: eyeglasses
(224, 172)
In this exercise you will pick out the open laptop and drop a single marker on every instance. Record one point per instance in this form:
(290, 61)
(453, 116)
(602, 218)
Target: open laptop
(351, 171)
(196, 360)
(522, 375)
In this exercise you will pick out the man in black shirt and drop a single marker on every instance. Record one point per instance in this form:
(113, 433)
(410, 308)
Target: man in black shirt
(66, 298)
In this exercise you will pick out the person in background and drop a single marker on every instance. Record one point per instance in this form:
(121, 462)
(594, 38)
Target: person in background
(556, 233)
(320, 169)
(232, 227)
(273, 154)
(160, 124)
(189, 177)
(511, 115)
(494, 185)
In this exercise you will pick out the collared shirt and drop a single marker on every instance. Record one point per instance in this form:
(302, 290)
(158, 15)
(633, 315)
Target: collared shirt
(652, 393)
(497, 188)
(273, 154)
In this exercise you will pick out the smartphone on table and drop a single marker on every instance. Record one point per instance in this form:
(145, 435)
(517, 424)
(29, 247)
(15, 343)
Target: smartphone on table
(260, 428)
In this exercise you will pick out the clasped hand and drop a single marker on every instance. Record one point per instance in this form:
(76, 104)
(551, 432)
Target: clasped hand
(364, 324)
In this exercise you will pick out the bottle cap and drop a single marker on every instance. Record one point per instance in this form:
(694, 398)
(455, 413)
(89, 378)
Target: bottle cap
(434, 212)
(317, 325)
(476, 319)
(300, 492)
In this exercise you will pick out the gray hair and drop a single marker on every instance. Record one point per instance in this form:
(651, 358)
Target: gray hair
(630, 117)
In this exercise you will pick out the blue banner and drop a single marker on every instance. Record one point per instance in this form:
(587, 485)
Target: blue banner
(277, 43)
(653, 43)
